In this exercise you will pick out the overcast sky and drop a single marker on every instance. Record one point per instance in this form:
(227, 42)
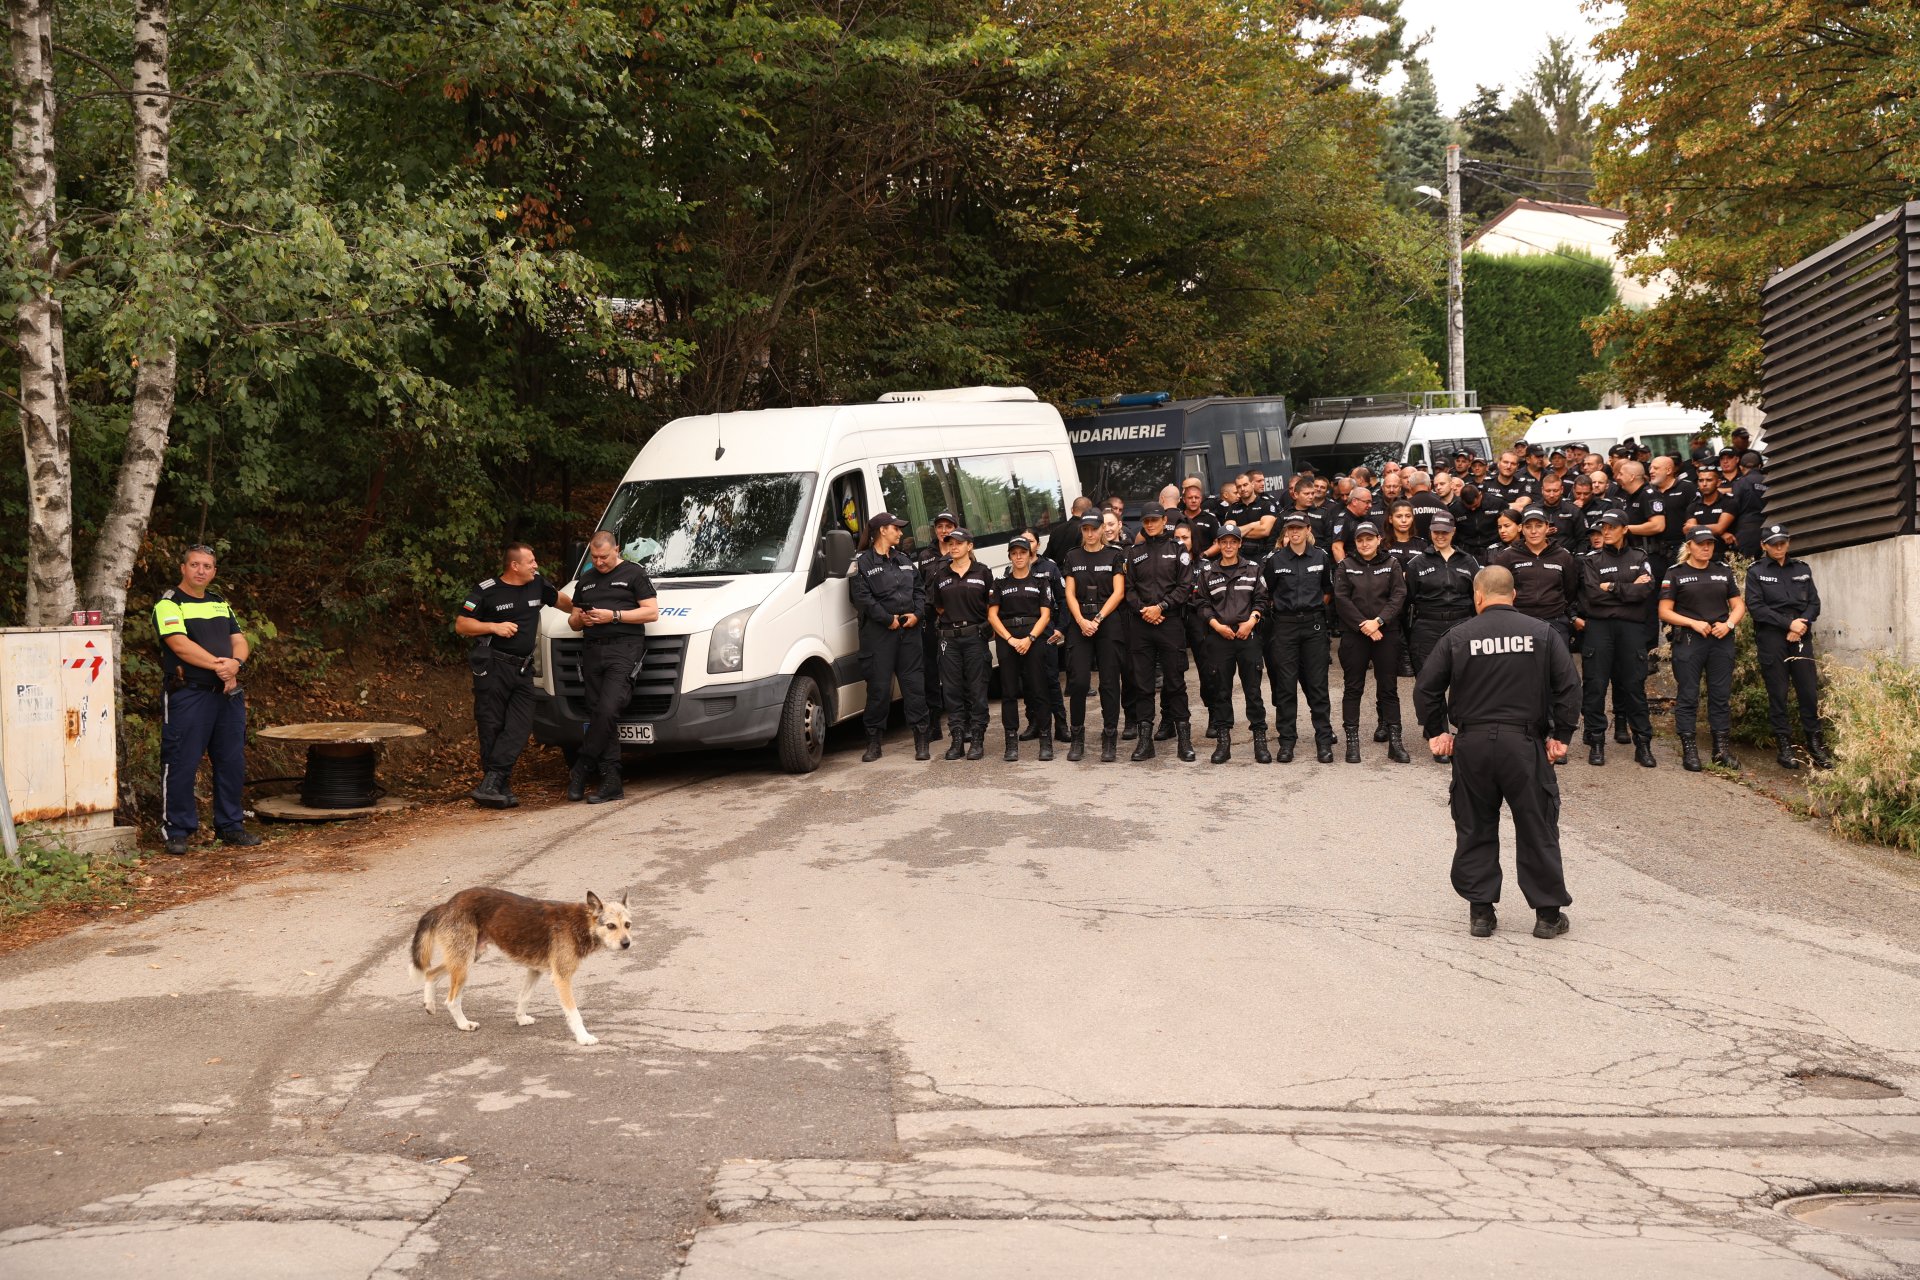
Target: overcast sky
(1492, 42)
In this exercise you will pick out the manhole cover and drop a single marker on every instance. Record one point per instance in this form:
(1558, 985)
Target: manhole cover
(1829, 1084)
(1887, 1215)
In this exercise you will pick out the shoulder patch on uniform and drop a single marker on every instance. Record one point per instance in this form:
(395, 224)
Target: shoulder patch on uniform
(488, 583)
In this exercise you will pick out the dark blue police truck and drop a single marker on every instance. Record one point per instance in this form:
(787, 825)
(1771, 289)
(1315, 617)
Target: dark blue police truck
(1136, 444)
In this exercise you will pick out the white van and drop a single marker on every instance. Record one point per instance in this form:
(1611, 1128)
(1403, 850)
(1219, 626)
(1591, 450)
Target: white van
(1663, 428)
(746, 523)
(1419, 429)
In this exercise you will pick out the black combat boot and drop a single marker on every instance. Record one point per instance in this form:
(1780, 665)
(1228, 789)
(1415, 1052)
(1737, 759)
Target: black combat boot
(933, 734)
(873, 746)
(1785, 757)
(1078, 741)
(506, 789)
(1033, 731)
(1013, 747)
(1481, 920)
(956, 743)
(1223, 746)
(922, 743)
(1690, 753)
(1213, 726)
(1129, 729)
(577, 779)
(1143, 748)
(1817, 748)
(1597, 751)
(1109, 747)
(1380, 733)
(1549, 922)
(1323, 751)
(977, 745)
(1184, 749)
(1046, 741)
(611, 787)
(488, 794)
(1396, 749)
(1723, 751)
(1353, 744)
(1283, 751)
(1165, 732)
(1060, 731)
(1643, 753)
(1261, 755)
(1622, 731)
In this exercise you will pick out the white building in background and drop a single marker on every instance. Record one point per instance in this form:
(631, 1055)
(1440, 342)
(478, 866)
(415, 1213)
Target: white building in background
(1528, 227)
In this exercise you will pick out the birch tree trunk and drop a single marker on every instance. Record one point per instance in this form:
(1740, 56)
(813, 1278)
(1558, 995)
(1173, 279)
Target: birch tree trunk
(125, 526)
(44, 418)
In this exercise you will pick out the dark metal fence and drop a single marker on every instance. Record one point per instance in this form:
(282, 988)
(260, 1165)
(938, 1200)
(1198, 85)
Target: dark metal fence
(1839, 380)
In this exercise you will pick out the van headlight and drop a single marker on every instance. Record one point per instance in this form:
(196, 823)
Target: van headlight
(727, 647)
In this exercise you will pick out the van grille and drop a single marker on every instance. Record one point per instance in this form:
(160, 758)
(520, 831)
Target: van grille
(653, 692)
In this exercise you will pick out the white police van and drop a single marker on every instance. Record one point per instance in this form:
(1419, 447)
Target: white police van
(1662, 428)
(746, 522)
(1417, 429)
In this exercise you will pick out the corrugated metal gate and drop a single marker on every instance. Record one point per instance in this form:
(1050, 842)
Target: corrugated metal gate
(1839, 379)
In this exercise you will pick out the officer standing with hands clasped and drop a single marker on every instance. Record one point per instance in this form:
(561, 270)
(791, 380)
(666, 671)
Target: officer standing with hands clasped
(930, 559)
(502, 618)
(1096, 583)
(1784, 605)
(613, 602)
(959, 595)
(1231, 598)
(204, 710)
(1703, 606)
(1508, 685)
(1020, 612)
(1369, 590)
(1158, 573)
(887, 594)
(1616, 583)
(1299, 579)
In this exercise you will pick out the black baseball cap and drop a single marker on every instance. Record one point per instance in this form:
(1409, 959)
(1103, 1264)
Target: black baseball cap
(1729, 453)
(1089, 519)
(1533, 513)
(1702, 534)
(1293, 518)
(1153, 513)
(1535, 451)
(956, 534)
(1775, 533)
(1752, 458)
(948, 516)
(887, 519)
(1019, 544)
(1614, 516)
(1229, 531)
(1441, 522)
(1365, 529)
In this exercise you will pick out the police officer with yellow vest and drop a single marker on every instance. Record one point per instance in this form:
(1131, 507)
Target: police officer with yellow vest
(203, 710)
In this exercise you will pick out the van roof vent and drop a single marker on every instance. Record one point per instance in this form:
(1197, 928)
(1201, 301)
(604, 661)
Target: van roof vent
(961, 395)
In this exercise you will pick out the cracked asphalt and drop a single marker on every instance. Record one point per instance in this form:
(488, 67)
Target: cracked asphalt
(983, 1019)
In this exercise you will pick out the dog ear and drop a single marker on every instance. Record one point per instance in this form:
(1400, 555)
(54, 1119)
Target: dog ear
(593, 901)
(623, 899)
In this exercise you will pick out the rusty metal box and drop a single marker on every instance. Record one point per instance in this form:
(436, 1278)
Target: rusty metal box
(57, 743)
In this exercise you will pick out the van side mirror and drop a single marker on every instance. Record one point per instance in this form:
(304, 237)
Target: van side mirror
(836, 548)
(576, 557)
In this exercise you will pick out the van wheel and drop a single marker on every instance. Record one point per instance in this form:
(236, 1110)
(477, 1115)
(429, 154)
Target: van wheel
(802, 740)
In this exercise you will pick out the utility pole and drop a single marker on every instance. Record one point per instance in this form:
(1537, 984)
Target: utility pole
(1456, 285)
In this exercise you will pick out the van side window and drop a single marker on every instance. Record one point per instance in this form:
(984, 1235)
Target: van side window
(993, 494)
(1416, 454)
(846, 504)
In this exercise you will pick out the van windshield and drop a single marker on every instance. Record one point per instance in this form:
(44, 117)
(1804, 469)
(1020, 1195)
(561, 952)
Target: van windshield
(698, 526)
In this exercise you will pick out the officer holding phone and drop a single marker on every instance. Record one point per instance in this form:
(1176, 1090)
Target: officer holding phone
(614, 600)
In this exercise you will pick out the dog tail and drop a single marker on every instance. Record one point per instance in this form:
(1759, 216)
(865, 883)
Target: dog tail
(421, 953)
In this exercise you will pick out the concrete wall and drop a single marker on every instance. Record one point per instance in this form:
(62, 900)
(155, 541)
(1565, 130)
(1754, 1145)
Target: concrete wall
(1869, 600)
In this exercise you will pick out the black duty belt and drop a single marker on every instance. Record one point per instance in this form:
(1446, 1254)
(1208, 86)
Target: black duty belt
(1442, 615)
(1313, 611)
(1015, 624)
(962, 630)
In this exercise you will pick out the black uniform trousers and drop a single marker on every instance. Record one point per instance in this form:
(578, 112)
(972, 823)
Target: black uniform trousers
(963, 678)
(930, 669)
(1357, 654)
(1198, 633)
(1226, 658)
(887, 654)
(1611, 653)
(1161, 648)
(1694, 654)
(1023, 675)
(1493, 763)
(1788, 663)
(198, 721)
(607, 669)
(503, 711)
(1428, 630)
(1084, 654)
(1299, 656)
(1123, 625)
(1660, 560)
(1051, 701)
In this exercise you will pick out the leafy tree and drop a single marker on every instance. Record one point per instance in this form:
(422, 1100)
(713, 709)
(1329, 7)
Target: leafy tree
(1486, 134)
(1553, 124)
(1744, 139)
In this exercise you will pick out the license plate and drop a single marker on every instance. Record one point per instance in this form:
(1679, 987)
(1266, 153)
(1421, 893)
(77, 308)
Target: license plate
(636, 733)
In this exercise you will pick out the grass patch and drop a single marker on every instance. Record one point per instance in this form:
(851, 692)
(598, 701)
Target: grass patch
(1873, 790)
(52, 873)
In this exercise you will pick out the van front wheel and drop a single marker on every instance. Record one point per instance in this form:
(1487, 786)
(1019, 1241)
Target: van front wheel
(802, 740)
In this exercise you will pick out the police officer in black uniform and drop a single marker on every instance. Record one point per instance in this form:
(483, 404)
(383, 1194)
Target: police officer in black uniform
(1369, 590)
(502, 617)
(1096, 586)
(1712, 509)
(930, 559)
(1784, 604)
(203, 709)
(959, 595)
(1545, 577)
(1749, 496)
(1231, 599)
(1703, 606)
(1299, 582)
(1053, 652)
(1158, 573)
(1020, 612)
(1439, 591)
(613, 602)
(1615, 582)
(1569, 530)
(887, 594)
(1508, 685)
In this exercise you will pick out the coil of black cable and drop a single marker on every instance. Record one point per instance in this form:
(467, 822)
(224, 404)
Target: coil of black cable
(336, 781)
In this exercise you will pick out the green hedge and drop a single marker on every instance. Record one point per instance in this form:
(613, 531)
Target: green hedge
(1525, 344)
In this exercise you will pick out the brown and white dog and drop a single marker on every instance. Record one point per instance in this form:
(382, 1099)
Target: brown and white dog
(550, 936)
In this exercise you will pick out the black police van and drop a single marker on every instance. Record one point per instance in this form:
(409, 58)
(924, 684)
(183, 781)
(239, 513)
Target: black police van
(1136, 445)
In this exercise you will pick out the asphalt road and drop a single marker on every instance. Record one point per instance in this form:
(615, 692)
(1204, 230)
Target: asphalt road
(984, 1019)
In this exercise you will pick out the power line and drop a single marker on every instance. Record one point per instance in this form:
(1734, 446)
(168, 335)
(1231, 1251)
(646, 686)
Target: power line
(1527, 168)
